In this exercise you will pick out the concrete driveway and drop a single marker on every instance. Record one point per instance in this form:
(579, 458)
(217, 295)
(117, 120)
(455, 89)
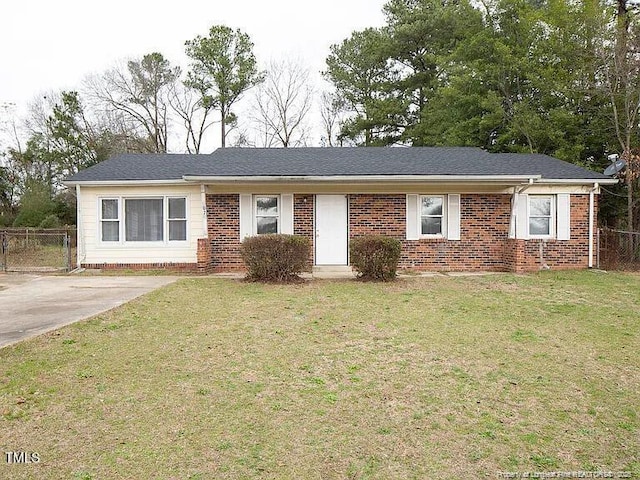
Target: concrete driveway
(31, 305)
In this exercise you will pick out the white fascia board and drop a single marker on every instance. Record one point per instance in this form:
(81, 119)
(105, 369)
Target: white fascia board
(579, 181)
(510, 179)
(119, 183)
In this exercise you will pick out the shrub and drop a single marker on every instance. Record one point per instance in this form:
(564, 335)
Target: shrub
(375, 257)
(50, 221)
(275, 257)
(35, 205)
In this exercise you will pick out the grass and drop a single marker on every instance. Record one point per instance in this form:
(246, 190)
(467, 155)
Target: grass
(434, 378)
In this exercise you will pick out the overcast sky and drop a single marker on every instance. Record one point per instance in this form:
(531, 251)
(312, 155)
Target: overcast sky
(53, 44)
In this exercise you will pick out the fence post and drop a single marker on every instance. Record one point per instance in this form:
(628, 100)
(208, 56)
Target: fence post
(67, 250)
(598, 248)
(3, 246)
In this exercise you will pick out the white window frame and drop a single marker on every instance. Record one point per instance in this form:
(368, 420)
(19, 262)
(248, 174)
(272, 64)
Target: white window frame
(122, 221)
(551, 216)
(102, 220)
(255, 212)
(443, 217)
(168, 220)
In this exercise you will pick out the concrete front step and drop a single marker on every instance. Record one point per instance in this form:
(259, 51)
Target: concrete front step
(332, 271)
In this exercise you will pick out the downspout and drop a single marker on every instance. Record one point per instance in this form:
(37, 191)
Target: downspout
(80, 247)
(592, 191)
(203, 201)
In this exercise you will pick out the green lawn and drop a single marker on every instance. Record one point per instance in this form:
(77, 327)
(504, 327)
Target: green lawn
(435, 378)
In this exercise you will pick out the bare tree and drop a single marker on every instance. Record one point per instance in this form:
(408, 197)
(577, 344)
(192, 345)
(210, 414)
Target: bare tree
(282, 103)
(139, 91)
(332, 112)
(195, 113)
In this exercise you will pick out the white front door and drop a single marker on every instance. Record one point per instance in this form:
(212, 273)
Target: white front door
(332, 233)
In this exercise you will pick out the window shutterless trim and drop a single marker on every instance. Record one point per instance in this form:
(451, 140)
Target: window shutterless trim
(256, 216)
(170, 219)
(551, 216)
(442, 217)
(117, 220)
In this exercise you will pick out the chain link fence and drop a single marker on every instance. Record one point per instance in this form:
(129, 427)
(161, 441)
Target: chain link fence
(37, 250)
(618, 250)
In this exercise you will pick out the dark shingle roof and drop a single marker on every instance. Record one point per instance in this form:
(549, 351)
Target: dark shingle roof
(357, 161)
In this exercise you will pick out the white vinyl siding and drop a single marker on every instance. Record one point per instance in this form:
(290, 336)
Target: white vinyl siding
(93, 249)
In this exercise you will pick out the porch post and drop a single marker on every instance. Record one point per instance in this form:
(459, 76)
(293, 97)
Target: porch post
(203, 201)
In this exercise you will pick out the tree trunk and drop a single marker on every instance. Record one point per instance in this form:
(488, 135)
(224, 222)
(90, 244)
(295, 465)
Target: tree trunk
(223, 128)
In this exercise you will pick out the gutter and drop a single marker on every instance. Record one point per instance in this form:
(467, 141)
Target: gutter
(479, 179)
(595, 188)
(579, 181)
(360, 178)
(116, 183)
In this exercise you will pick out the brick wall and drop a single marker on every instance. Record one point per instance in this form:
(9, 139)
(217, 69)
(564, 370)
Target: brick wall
(204, 255)
(223, 225)
(480, 247)
(573, 253)
(303, 220)
(484, 243)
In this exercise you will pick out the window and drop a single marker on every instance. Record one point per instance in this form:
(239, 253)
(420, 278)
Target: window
(109, 220)
(267, 214)
(143, 220)
(177, 219)
(540, 216)
(431, 215)
(148, 219)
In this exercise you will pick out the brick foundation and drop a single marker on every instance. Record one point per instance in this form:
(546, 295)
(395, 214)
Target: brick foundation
(168, 266)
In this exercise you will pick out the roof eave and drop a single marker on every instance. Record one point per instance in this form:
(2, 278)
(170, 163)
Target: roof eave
(579, 181)
(108, 183)
(479, 179)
